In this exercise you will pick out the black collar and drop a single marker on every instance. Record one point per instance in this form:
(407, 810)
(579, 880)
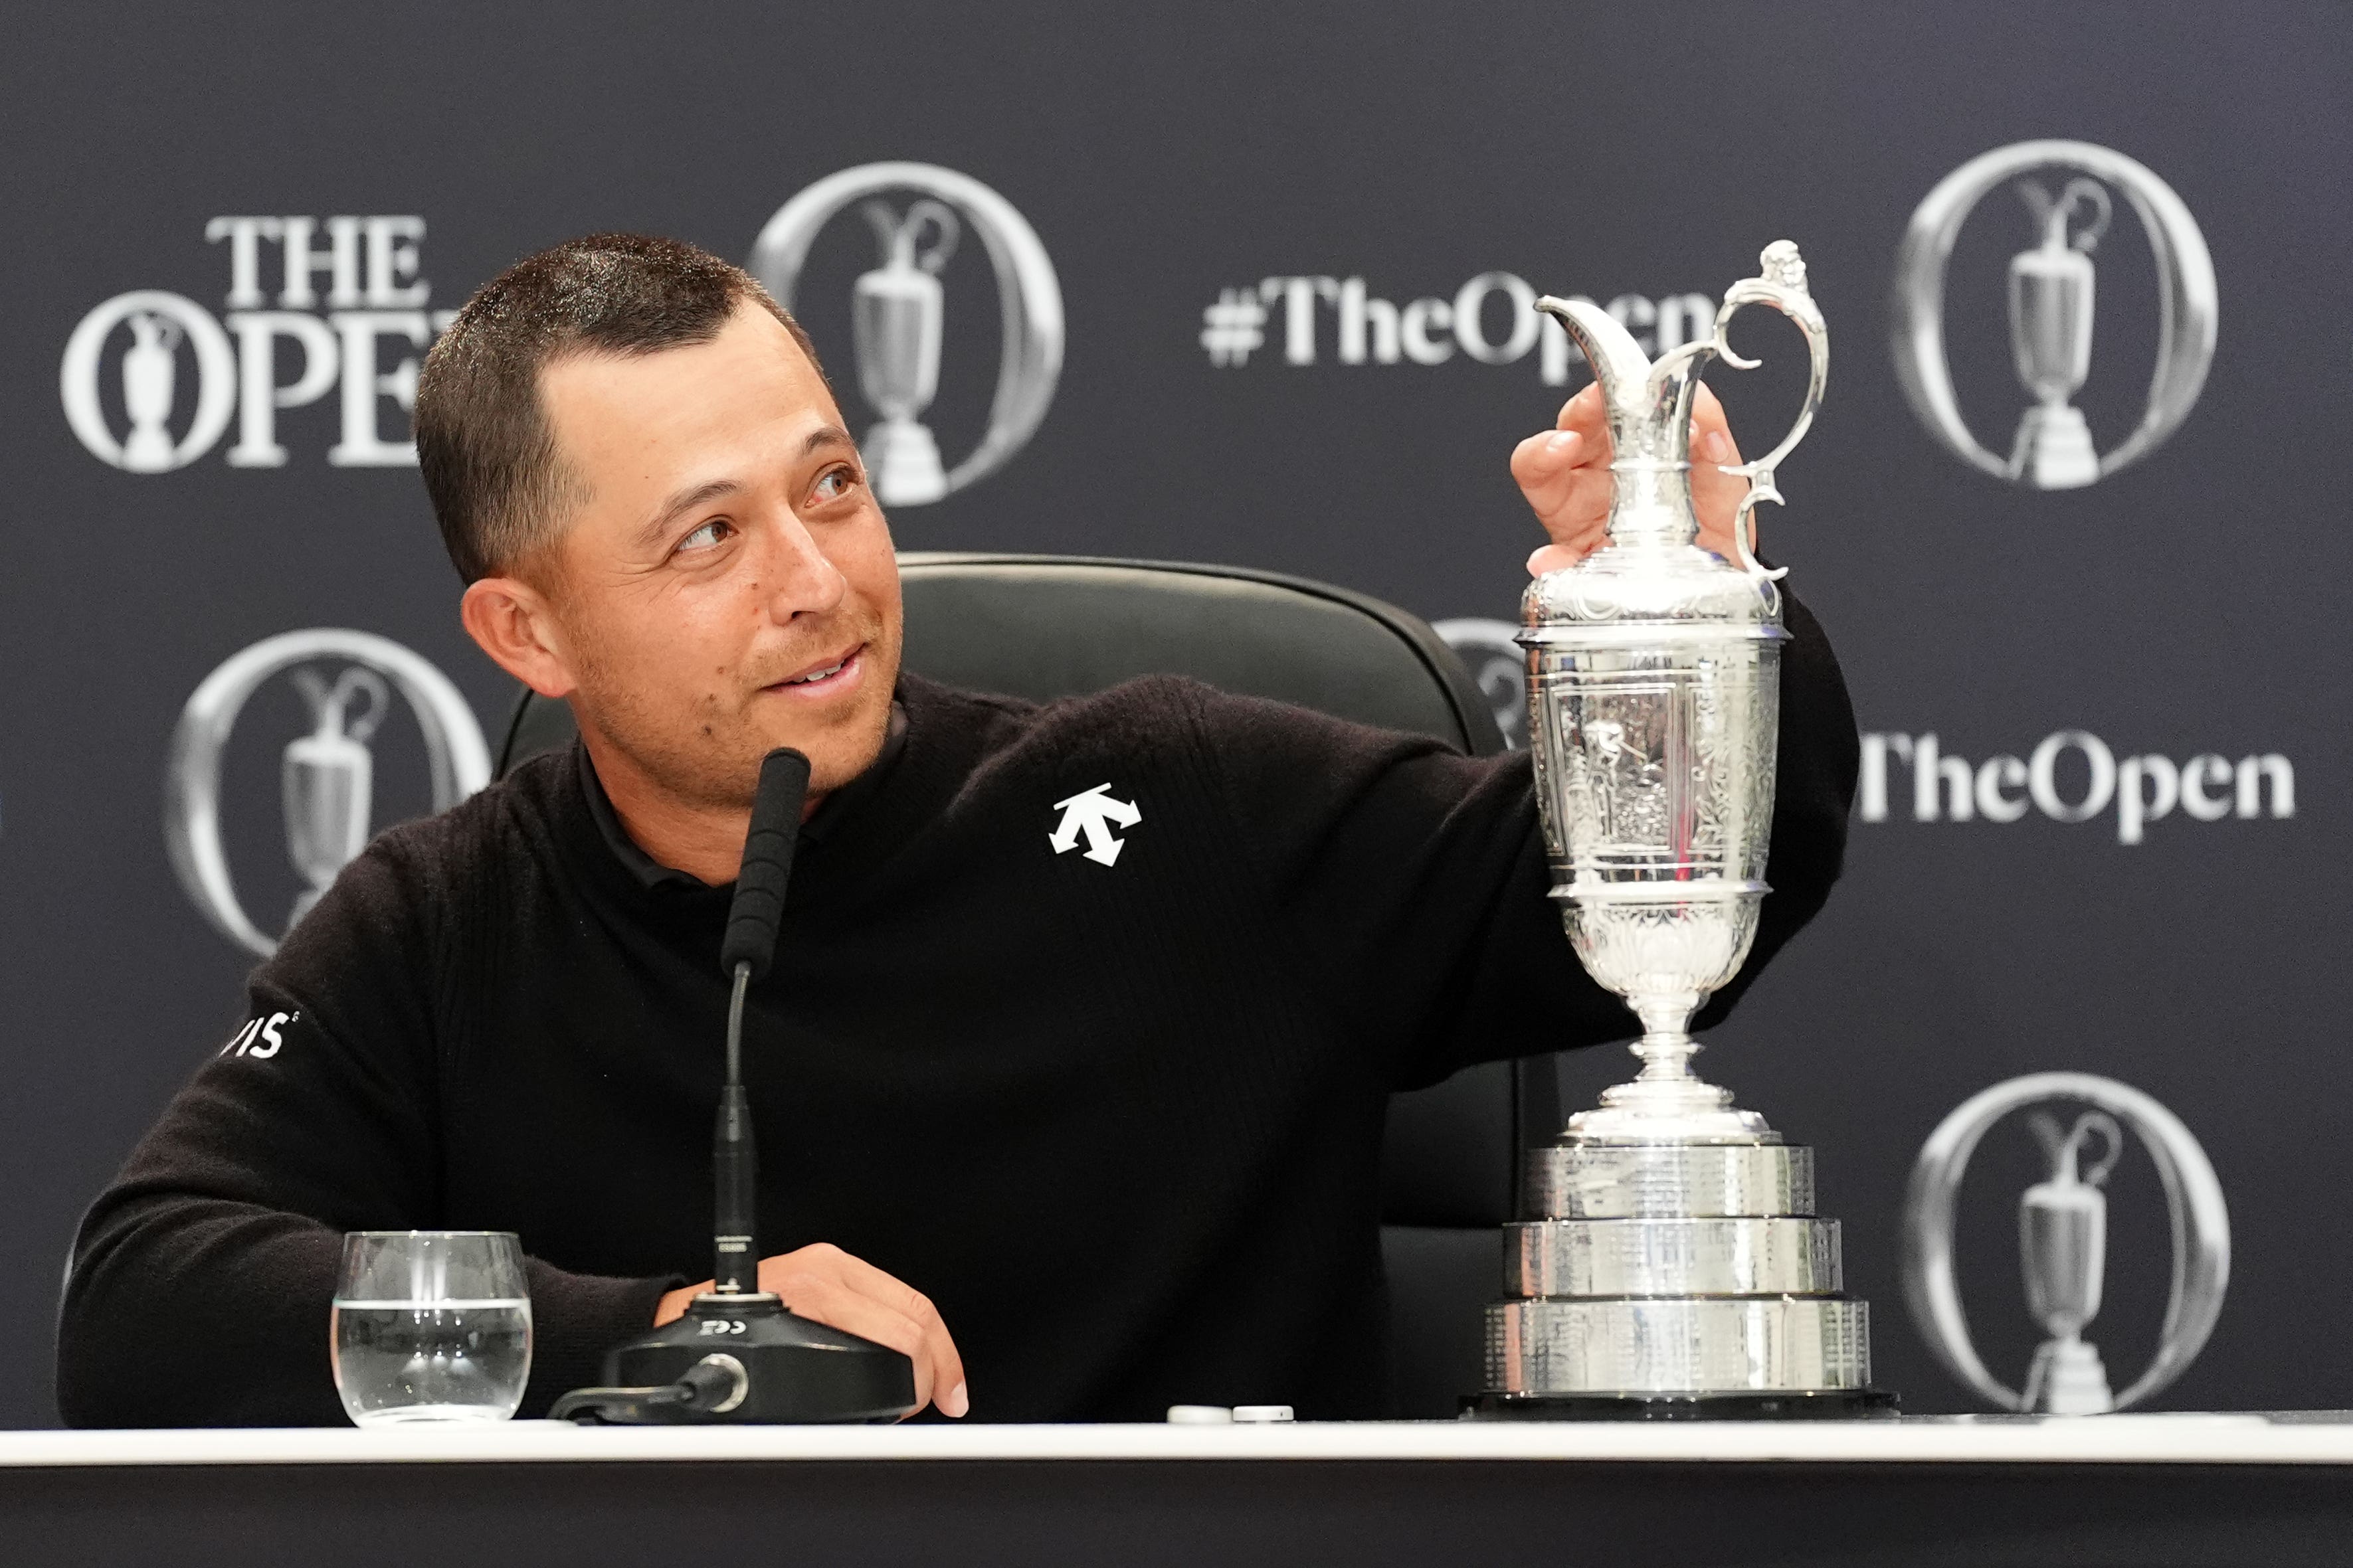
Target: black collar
(649, 872)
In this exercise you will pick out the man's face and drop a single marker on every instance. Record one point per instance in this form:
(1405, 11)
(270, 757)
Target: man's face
(727, 585)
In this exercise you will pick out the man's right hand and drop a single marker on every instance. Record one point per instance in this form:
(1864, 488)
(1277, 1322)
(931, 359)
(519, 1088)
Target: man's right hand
(1565, 473)
(826, 1284)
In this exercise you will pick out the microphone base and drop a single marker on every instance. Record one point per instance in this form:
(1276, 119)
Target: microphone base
(798, 1371)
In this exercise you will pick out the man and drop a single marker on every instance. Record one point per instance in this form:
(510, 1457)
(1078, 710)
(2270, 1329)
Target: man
(1116, 1127)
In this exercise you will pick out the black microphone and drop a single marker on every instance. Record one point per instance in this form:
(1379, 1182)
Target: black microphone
(745, 952)
(759, 906)
(738, 1354)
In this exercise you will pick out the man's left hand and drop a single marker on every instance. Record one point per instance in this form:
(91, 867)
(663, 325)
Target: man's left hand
(1564, 474)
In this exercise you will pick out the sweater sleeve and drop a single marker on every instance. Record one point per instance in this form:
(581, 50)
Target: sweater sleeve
(1414, 880)
(203, 1277)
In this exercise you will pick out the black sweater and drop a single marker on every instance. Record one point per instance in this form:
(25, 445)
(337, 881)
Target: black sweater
(1120, 1121)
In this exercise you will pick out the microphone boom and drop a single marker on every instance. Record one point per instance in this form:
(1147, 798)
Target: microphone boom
(775, 1367)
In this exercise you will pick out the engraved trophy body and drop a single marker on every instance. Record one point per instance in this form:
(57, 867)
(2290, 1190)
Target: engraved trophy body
(1669, 1262)
(895, 324)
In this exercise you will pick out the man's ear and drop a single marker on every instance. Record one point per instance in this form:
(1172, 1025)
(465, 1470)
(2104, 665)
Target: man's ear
(512, 622)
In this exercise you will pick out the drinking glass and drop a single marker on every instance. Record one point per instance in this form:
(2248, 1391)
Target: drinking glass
(431, 1325)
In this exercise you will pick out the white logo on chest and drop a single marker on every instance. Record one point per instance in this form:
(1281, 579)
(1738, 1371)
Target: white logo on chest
(1094, 814)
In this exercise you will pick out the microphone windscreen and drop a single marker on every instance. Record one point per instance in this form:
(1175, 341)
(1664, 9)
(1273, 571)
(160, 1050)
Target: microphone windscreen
(759, 906)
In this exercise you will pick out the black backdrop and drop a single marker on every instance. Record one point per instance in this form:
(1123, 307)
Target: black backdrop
(1172, 159)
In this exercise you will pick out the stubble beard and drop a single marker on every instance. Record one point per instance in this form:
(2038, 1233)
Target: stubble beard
(713, 761)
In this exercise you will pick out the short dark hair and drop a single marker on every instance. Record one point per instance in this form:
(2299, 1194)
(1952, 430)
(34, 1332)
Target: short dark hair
(482, 439)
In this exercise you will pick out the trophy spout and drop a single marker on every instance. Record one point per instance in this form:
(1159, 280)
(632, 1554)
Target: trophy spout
(1647, 409)
(1618, 364)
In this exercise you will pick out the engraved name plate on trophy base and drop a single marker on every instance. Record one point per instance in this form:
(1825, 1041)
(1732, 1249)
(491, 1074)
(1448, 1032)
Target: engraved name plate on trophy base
(1669, 1262)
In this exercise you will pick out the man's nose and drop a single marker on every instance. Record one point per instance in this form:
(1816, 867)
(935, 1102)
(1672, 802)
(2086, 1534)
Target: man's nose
(797, 576)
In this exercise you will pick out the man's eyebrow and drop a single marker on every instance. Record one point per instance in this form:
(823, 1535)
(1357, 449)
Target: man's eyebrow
(684, 502)
(825, 435)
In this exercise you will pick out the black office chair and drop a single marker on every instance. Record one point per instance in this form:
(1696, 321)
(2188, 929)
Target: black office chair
(1043, 626)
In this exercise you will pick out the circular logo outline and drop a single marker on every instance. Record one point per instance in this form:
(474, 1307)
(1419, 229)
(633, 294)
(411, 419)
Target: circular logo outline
(2193, 1199)
(456, 753)
(1030, 292)
(2189, 302)
(216, 378)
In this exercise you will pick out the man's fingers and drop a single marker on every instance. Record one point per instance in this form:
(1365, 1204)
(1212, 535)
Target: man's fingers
(1556, 469)
(1545, 466)
(1564, 474)
(832, 1302)
(1574, 505)
(939, 1366)
(1582, 413)
(1557, 558)
(1548, 451)
(1707, 409)
(1716, 495)
(947, 1363)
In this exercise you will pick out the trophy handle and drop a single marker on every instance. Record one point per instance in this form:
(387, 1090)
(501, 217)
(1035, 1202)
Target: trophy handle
(1781, 283)
(2053, 213)
(360, 680)
(902, 238)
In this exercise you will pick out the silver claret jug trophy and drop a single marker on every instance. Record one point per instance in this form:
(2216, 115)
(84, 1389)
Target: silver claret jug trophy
(1669, 1262)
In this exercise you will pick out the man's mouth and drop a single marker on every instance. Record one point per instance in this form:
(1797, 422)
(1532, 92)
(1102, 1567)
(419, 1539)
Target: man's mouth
(836, 673)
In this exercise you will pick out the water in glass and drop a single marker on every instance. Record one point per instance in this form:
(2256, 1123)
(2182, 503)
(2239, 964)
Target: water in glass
(431, 1326)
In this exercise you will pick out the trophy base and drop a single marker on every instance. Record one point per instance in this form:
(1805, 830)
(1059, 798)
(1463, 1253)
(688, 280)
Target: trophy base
(904, 461)
(1808, 1405)
(1572, 1180)
(2055, 451)
(1687, 1347)
(1593, 1258)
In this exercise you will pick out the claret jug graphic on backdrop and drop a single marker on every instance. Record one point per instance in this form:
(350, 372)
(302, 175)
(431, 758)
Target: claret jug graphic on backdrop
(2067, 193)
(898, 308)
(2063, 1240)
(151, 379)
(347, 679)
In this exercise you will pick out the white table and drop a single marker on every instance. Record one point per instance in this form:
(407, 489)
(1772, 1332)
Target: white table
(2320, 1437)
